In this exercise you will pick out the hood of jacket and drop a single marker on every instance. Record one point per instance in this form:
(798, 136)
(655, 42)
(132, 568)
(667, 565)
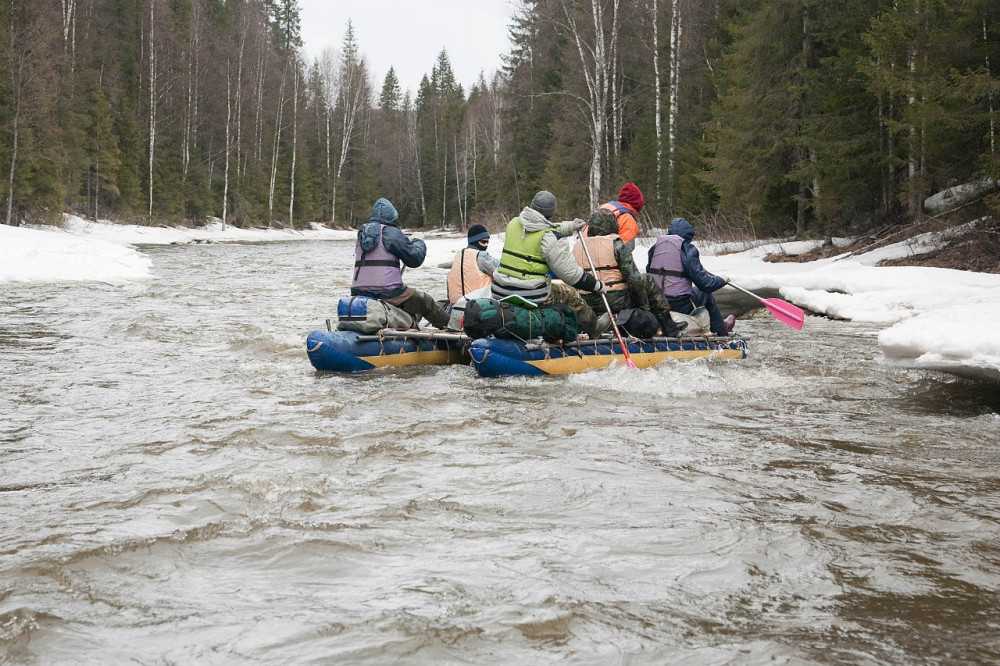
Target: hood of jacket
(681, 227)
(383, 212)
(533, 220)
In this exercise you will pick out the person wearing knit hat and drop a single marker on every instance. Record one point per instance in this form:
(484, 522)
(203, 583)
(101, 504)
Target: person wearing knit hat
(626, 209)
(472, 268)
(533, 255)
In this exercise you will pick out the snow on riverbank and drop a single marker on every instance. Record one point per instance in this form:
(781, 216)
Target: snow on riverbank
(937, 318)
(31, 255)
(130, 234)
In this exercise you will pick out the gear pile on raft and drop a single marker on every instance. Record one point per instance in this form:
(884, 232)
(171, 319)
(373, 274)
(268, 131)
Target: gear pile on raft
(546, 307)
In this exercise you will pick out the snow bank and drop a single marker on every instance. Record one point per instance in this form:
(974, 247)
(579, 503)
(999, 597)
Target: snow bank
(938, 318)
(33, 255)
(961, 339)
(916, 246)
(130, 234)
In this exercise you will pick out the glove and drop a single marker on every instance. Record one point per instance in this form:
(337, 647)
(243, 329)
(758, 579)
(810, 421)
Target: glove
(599, 287)
(578, 225)
(725, 279)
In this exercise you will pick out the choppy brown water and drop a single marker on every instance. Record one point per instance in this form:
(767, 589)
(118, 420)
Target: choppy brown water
(178, 486)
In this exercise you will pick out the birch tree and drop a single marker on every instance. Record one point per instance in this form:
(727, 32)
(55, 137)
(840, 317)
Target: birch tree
(152, 83)
(351, 94)
(676, 33)
(597, 67)
(295, 143)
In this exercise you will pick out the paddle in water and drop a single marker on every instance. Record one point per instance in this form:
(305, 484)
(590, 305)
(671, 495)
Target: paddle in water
(607, 306)
(783, 311)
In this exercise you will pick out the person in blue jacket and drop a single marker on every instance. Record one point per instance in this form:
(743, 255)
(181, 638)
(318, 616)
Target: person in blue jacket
(675, 264)
(379, 256)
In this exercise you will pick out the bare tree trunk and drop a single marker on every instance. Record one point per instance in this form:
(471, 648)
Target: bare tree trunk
(913, 162)
(258, 125)
(329, 114)
(676, 33)
(658, 103)
(990, 99)
(351, 90)
(497, 106)
(152, 101)
(412, 131)
(444, 189)
(239, 107)
(295, 142)
(189, 107)
(458, 186)
(599, 78)
(229, 122)
(17, 80)
(274, 151)
(69, 30)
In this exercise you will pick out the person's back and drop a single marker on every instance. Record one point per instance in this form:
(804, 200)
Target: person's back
(675, 264)
(472, 268)
(533, 251)
(626, 209)
(627, 288)
(381, 251)
(611, 258)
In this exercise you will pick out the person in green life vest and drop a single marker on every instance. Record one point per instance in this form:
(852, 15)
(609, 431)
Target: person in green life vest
(533, 252)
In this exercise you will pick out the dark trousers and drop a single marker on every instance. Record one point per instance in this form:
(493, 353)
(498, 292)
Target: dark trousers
(422, 305)
(699, 299)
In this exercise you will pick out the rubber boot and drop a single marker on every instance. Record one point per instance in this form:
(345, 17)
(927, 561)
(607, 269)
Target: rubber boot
(668, 326)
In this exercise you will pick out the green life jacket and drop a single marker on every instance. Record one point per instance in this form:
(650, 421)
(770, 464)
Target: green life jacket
(522, 252)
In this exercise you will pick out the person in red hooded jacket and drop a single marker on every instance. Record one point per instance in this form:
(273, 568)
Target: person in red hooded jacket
(626, 209)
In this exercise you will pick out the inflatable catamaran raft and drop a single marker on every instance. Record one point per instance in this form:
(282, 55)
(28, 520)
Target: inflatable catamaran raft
(383, 337)
(349, 352)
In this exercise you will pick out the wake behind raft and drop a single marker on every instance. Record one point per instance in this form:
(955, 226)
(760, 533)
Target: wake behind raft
(344, 351)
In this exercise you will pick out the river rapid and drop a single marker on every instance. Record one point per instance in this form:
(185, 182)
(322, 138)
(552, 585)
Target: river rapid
(177, 485)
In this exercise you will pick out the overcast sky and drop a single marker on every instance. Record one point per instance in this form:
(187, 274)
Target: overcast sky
(408, 34)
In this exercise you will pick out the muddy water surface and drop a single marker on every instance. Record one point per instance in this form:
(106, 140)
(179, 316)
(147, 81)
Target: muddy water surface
(178, 486)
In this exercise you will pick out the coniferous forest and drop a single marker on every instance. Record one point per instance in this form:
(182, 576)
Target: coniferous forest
(784, 116)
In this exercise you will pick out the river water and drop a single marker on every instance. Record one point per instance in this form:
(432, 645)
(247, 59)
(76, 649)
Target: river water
(177, 485)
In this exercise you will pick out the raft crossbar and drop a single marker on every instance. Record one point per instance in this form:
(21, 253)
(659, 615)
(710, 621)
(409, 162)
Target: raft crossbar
(612, 341)
(415, 335)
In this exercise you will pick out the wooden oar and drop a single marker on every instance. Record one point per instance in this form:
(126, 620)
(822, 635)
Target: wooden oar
(607, 306)
(783, 311)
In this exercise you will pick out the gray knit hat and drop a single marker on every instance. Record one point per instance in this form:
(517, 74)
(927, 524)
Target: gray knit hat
(545, 203)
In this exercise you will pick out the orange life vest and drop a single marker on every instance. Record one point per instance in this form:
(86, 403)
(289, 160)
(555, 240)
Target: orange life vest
(465, 275)
(628, 227)
(602, 250)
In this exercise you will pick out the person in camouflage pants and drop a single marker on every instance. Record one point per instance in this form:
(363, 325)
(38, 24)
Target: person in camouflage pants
(642, 292)
(561, 293)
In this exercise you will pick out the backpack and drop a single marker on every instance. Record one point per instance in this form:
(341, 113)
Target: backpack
(638, 323)
(553, 323)
(368, 316)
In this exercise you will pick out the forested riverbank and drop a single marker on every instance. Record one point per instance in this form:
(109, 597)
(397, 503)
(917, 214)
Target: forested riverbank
(771, 117)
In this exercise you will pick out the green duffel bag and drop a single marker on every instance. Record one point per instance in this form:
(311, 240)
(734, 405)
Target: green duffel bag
(553, 323)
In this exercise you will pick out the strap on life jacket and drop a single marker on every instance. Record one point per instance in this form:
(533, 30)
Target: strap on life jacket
(362, 262)
(462, 270)
(664, 271)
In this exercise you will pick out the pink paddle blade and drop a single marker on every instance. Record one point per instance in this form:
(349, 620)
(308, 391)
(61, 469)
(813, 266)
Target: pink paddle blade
(786, 313)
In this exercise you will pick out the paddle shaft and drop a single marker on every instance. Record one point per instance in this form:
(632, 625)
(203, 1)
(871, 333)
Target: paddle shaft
(747, 292)
(607, 306)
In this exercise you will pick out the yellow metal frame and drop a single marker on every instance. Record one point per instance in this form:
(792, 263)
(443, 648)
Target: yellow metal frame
(407, 359)
(568, 365)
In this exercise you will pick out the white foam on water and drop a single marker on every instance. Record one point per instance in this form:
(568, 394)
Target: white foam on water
(685, 379)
